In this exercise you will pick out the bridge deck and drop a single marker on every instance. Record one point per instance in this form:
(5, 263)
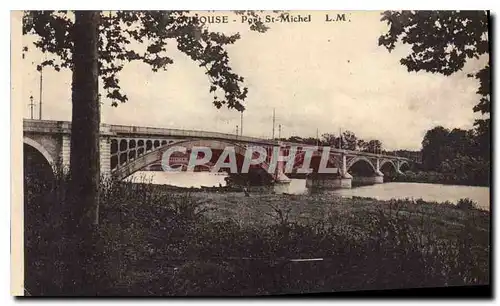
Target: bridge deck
(64, 127)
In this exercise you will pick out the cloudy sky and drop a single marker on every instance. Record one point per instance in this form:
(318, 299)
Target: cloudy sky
(318, 75)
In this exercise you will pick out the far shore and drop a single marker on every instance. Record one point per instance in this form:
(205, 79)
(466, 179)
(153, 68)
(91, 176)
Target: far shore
(266, 193)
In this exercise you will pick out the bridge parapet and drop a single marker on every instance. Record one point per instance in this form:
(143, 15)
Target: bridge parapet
(46, 126)
(122, 144)
(166, 132)
(337, 151)
(55, 127)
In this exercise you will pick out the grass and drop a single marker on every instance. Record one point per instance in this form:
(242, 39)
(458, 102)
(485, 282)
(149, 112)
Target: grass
(161, 242)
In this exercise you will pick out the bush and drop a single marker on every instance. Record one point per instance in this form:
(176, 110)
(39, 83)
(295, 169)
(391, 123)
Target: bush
(159, 243)
(466, 204)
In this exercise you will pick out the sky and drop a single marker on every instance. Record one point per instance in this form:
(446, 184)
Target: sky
(319, 77)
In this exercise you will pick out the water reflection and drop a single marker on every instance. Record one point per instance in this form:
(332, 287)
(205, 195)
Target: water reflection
(180, 179)
(386, 191)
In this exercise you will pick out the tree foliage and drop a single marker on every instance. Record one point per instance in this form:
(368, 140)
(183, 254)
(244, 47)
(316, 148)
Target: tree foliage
(456, 154)
(126, 36)
(483, 128)
(329, 139)
(96, 45)
(442, 42)
(349, 141)
(433, 145)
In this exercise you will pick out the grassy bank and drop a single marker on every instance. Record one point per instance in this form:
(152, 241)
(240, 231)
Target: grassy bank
(161, 242)
(432, 177)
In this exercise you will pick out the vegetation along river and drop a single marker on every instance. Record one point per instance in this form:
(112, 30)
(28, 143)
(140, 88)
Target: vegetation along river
(386, 191)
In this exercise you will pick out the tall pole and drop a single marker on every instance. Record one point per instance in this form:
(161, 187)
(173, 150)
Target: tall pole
(317, 137)
(41, 89)
(31, 106)
(241, 123)
(274, 120)
(340, 138)
(236, 130)
(279, 131)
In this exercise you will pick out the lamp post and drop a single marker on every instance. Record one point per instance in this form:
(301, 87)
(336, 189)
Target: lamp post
(41, 89)
(274, 120)
(31, 104)
(241, 123)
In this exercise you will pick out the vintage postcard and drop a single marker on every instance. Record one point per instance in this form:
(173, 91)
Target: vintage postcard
(250, 153)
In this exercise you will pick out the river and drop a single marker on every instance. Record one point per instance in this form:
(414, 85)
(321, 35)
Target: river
(386, 191)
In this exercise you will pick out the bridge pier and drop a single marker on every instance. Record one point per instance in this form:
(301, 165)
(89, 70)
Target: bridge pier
(65, 152)
(341, 179)
(329, 182)
(376, 178)
(367, 180)
(105, 151)
(279, 176)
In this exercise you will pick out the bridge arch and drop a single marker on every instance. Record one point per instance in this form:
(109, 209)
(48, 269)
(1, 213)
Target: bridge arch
(156, 155)
(38, 165)
(387, 162)
(403, 166)
(39, 148)
(360, 159)
(332, 159)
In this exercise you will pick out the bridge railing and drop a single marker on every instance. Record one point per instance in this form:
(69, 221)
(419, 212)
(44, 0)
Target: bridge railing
(47, 126)
(349, 152)
(125, 129)
(65, 127)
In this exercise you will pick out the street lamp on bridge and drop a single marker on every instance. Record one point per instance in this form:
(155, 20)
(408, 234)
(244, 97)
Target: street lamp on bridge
(31, 105)
(241, 123)
(40, 68)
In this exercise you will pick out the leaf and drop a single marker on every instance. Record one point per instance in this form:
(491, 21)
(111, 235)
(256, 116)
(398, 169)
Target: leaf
(120, 30)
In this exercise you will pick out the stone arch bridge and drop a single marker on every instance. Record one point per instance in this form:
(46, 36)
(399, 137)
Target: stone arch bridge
(127, 149)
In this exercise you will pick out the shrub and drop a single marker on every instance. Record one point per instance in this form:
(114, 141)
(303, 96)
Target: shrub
(466, 204)
(160, 243)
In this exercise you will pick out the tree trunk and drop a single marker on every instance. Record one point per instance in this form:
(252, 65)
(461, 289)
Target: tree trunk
(83, 190)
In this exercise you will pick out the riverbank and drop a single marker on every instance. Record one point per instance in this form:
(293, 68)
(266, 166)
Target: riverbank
(259, 209)
(201, 243)
(432, 177)
(230, 243)
(386, 191)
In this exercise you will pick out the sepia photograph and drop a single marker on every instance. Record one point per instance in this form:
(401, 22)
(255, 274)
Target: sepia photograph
(251, 153)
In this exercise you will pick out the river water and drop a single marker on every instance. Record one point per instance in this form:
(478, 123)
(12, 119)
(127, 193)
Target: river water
(386, 191)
